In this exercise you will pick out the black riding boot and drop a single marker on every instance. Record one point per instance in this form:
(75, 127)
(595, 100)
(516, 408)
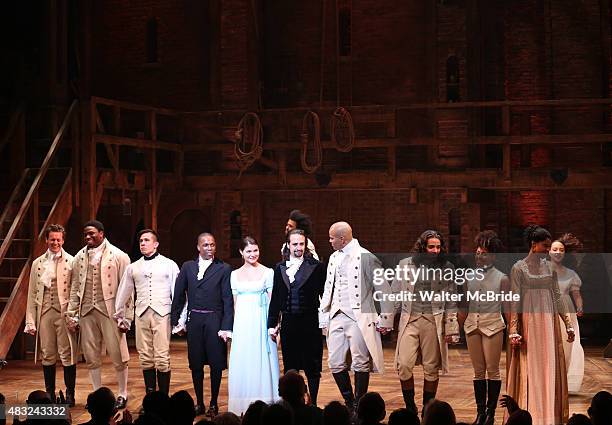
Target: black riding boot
(49, 374)
(494, 387)
(343, 381)
(480, 394)
(70, 382)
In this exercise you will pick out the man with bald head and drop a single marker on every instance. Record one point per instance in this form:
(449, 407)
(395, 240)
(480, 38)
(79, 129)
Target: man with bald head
(348, 314)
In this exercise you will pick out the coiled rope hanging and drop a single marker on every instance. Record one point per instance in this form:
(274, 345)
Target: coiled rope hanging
(249, 133)
(311, 129)
(342, 130)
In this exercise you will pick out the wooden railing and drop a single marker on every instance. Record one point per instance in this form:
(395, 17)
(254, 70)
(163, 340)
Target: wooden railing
(32, 196)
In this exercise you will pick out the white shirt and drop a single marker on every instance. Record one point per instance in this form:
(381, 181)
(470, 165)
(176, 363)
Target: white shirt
(202, 266)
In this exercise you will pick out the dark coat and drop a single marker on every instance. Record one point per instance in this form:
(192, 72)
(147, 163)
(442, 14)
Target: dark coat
(310, 280)
(213, 292)
(301, 338)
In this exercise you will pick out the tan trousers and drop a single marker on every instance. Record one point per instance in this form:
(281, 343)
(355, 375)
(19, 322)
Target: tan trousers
(345, 336)
(420, 336)
(55, 339)
(98, 331)
(485, 352)
(153, 340)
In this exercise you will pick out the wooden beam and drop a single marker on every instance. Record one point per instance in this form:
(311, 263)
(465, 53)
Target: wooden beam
(493, 179)
(133, 106)
(136, 143)
(542, 139)
(524, 104)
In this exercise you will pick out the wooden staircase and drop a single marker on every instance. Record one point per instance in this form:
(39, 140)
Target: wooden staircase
(42, 196)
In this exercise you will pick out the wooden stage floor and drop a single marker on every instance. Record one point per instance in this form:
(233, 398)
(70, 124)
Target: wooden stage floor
(20, 377)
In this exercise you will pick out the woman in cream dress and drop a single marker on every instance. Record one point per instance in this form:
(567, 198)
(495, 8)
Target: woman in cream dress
(537, 377)
(569, 283)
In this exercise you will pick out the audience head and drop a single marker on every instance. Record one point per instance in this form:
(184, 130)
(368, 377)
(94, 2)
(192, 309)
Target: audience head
(252, 416)
(336, 413)
(227, 418)
(39, 397)
(519, 417)
(101, 404)
(292, 388)
(182, 408)
(157, 404)
(277, 414)
(439, 412)
(404, 416)
(579, 419)
(371, 408)
(600, 410)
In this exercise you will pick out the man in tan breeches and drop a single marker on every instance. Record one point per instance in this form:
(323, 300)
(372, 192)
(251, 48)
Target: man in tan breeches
(152, 277)
(98, 269)
(48, 294)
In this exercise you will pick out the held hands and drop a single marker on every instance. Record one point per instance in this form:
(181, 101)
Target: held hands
(452, 339)
(72, 324)
(123, 326)
(225, 335)
(383, 330)
(30, 330)
(273, 332)
(516, 340)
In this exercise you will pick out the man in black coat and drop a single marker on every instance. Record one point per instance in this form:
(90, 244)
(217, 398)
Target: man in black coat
(298, 284)
(205, 283)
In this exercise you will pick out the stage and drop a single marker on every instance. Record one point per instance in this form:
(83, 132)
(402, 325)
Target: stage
(19, 378)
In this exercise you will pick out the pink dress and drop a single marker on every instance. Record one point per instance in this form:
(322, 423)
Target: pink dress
(537, 377)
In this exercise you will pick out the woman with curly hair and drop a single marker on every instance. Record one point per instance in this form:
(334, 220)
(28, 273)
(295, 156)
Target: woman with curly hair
(569, 283)
(537, 377)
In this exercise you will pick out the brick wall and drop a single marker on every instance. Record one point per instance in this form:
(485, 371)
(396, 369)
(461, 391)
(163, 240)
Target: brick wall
(119, 68)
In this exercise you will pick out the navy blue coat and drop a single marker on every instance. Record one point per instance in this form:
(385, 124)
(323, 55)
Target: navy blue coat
(213, 292)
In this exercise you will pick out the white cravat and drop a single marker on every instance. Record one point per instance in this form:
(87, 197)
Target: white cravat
(202, 266)
(293, 265)
(50, 268)
(95, 254)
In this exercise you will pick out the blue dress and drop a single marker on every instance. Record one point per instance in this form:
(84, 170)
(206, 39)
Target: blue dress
(253, 367)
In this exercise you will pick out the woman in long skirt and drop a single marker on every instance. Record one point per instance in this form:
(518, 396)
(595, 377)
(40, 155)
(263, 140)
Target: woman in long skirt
(253, 367)
(569, 283)
(537, 377)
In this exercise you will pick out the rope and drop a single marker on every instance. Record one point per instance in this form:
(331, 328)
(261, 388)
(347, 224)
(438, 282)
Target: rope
(342, 128)
(250, 132)
(311, 118)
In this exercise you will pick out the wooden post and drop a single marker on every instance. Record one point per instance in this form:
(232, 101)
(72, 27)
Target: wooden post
(152, 204)
(392, 162)
(88, 162)
(76, 163)
(507, 151)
